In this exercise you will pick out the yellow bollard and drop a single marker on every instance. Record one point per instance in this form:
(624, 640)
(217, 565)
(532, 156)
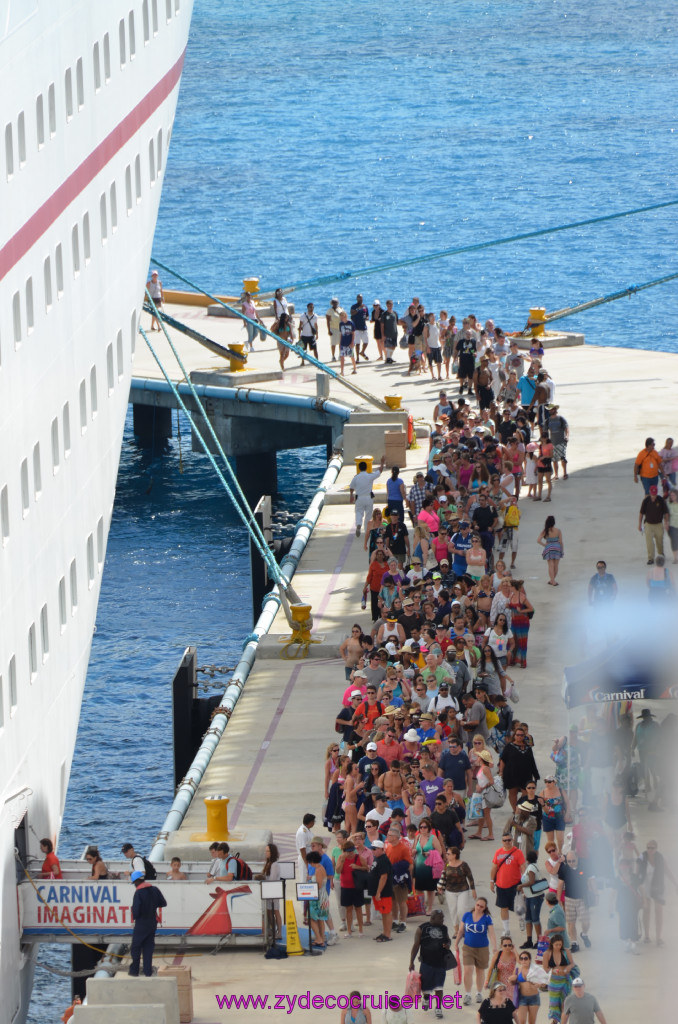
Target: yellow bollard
(536, 321)
(368, 459)
(217, 817)
(393, 401)
(236, 365)
(251, 285)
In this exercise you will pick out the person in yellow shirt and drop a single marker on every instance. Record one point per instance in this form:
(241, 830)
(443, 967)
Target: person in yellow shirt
(648, 466)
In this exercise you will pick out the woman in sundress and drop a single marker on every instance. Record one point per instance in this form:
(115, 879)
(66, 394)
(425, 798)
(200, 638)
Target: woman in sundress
(551, 539)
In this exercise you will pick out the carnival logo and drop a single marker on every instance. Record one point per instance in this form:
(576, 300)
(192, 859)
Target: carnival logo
(604, 696)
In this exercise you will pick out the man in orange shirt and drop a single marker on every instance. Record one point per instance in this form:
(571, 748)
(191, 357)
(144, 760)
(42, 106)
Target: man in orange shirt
(648, 465)
(507, 868)
(399, 852)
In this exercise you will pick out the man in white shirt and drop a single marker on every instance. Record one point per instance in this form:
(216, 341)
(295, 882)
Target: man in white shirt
(361, 493)
(308, 330)
(303, 840)
(443, 700)
(333, 318)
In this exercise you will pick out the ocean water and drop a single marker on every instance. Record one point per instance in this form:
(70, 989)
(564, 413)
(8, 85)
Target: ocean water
(314, 137)
(318, 136)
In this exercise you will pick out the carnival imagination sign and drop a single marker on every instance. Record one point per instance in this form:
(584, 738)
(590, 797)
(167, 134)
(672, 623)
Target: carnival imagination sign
(87, 908)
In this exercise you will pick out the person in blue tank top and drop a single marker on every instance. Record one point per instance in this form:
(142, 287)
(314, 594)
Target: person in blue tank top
(396, 494)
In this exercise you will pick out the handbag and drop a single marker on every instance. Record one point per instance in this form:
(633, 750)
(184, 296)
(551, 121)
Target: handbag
(539, 886)
(449, 960)
(360, 877)
(262, 334)
(435, 862)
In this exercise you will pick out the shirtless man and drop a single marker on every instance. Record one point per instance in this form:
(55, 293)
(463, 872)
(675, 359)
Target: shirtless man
(392, 784)
(482, 384)
(351, 650)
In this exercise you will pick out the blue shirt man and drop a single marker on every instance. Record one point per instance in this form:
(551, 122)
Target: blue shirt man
(359, 314)
(461, 542)
(602, 585)
(454, 765)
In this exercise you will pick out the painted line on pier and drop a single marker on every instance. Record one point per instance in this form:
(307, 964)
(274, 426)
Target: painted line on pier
(287, 692)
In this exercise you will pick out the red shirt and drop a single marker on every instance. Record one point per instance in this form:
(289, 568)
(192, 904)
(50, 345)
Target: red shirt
(51, 866)
(389, 751)
(510, 868)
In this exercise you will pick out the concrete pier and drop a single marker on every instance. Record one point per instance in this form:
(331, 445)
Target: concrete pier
(270, 759)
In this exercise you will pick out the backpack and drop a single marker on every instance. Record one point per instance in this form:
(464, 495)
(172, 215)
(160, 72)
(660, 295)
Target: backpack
(243, 872)
(512, 516)
(149, 870)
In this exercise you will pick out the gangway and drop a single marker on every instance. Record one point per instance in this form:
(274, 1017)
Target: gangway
(79, 908)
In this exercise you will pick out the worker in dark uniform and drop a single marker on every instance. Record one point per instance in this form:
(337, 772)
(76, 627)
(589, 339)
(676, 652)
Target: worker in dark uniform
(147, 901)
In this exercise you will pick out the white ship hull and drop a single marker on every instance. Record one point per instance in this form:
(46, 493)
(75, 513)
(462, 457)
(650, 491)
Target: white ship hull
(89, 92)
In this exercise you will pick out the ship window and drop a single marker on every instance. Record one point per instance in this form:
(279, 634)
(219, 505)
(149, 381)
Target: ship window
(21, 138)
(12, 685)
(40, 120)
(83, 407)
(151, 161)
(16, 318)
(62, 603)
(114, 207)
(121, 36)
(100, 542)
(90, 561)
(2, 705)
(44, 633)
(68, 88)
(96, 63)
(74, 587)
(159, 148)
(109, 369)
(66, 424)
(107, 58)
(9, 151)
(118, 346)
(30, 318)
(93, 391)
(32, 652)
(47, 275)
(154, 12)
(86, 247)
(128, 188)
(146, 21)
(51, 107)
(25, 497)
(132, 37)
(133, 332)
(177, 6)
(37, 471)
(59, 261)
(168, 9)
(4, 514)
(75, 247)
(103, 218)
(55, 444)
(137, 177)
(80, 83)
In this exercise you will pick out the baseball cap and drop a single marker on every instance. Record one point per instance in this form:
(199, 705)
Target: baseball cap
(377, 844)
(577, 983)
(355, 693)
(371, 746)
(136, 876)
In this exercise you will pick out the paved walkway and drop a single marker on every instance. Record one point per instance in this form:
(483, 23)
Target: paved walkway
(271, 759)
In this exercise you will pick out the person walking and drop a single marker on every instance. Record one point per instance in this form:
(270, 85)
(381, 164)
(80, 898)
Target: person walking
(154, 287)
(361, 493)
(458, 885)
(517, 765)
(147, 901)
(647, 466)
(359, 318)
(477, 931)
(551, 539)
(581, 1005)
(652, 874)
(653, 519)
(505, 876)
(308, 331)
(432, 943)
(333, 320)
(250, 310)
(380, 888)
(602, 585)
(498, 1008)
(346, 342)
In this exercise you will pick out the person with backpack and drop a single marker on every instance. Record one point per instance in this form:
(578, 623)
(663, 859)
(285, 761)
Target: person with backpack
(139, 863)
(433, 944)
(235, 869)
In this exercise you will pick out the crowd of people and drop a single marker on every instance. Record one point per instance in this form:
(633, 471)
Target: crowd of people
(430, 753)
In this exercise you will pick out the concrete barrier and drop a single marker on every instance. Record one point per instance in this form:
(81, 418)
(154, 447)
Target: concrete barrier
(121, 1013)
(135, 992)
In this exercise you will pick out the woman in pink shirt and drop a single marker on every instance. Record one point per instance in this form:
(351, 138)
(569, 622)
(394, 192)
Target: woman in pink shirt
(428, 517)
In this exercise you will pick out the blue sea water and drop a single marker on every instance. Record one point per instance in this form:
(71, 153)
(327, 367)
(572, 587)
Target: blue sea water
(314, 137)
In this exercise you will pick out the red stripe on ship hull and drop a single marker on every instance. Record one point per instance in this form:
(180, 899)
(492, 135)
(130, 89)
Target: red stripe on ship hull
(82, 176)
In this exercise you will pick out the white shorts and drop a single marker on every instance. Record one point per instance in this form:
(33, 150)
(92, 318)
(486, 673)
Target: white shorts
(361, 338)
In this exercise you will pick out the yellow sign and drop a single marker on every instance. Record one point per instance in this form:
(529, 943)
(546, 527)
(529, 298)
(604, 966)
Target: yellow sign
(293, 943)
